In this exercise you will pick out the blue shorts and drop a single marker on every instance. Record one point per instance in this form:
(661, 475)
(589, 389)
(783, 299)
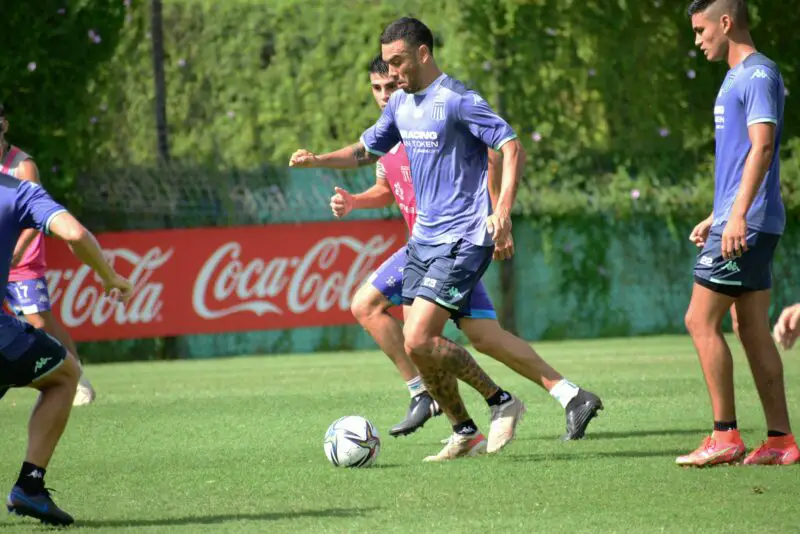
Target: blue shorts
(752, 271)
(445, 274)
(388, 279)
(32, 355)
(28, 296)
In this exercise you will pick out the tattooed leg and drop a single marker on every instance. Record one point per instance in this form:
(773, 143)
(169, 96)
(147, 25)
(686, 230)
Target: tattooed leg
(441, 362)
(456, 360)
(443, 387)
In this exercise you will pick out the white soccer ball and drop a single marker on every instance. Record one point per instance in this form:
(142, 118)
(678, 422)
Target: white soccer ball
(352, 441)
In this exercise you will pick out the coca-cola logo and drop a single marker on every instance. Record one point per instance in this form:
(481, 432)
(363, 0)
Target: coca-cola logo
(310, 282)
(82, 301)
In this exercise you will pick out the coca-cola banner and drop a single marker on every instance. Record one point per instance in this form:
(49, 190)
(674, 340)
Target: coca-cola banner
(212, 280)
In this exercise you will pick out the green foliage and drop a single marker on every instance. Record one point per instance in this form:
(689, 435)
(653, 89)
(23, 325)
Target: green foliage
(52, 53)
(607, 95)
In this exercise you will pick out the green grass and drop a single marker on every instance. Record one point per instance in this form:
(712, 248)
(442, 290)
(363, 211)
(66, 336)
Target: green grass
(235, 445)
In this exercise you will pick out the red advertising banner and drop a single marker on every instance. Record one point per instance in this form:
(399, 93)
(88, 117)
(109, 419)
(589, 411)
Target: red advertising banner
(212, 280)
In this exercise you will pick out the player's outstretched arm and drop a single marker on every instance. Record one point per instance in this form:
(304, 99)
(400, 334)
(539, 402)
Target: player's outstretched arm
(350, 157)
(85, 247)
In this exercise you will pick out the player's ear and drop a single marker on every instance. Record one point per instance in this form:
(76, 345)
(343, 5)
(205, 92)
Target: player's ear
(423, 53)
(726, 22)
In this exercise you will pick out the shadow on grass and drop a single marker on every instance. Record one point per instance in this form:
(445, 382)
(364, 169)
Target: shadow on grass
(583, 456)
(625, 434)
(223, 518)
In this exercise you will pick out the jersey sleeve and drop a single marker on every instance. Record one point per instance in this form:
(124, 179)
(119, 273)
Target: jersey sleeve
(476, 114)
(760, 96)
(35, 208)
(381, 137)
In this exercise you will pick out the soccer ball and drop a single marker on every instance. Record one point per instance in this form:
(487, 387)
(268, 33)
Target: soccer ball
(352, 441)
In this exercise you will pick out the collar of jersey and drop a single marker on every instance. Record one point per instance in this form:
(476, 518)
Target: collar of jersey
(434, 83)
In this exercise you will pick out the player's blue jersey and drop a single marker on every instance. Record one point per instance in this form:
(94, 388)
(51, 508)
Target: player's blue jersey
(445, 129)
(752, 92)
(22, 205)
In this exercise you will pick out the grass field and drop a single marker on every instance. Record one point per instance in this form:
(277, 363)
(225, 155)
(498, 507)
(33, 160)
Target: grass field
(235, 445)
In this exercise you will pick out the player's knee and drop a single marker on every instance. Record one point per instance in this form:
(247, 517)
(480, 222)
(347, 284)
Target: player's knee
(695, 324)
(364, 307)
(416, 340)
(70, 372)
(484, 341)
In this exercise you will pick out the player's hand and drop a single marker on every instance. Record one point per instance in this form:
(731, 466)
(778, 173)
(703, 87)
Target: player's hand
(341, 202)
(787, 329)
(734, 238)
(303, 158)
(505, 249)
(700, 233)
(118, 288)
(499, 225)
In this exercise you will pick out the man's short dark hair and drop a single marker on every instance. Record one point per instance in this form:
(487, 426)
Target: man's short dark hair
(379, 66)
(736, 8)
(410, 30)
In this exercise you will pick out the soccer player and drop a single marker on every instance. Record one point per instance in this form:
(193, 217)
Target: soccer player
(787, 329)
(26, 292)
(738, 239)
(29, 357)
(479, 321)
(445, 129)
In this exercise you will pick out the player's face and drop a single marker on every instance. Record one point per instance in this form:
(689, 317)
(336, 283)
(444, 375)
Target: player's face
(711, 34)
(404, 63)
(382, 88)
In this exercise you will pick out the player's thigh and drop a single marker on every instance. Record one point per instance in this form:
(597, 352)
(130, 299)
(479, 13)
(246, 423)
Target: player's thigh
(707, 308)
(383, 289)
(485, 334)
(425, 320)
(35, 359)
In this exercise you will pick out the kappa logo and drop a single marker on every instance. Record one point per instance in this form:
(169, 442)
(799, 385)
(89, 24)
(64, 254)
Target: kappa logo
(438, 113)
(759, 73)
(731, 267)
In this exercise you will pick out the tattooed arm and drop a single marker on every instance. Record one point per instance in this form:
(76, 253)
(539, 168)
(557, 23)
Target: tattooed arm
(350, 157)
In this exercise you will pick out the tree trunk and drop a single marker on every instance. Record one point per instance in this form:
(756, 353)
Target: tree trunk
(169, 348)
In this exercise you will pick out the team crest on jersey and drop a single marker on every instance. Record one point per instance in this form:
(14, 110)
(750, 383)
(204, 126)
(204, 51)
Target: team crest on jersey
(405, 170)
(398, 191)
(437, 113)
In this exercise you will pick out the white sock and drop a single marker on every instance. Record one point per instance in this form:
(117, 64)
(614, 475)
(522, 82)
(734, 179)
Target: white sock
(416, 386)
(564, 391)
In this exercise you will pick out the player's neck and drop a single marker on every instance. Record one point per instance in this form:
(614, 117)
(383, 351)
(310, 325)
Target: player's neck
(739, 49)
(429, 77)
(4, 147)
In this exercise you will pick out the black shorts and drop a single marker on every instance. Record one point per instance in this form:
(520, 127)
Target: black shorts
(445, 274)
(43, 356)
(752, 271)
